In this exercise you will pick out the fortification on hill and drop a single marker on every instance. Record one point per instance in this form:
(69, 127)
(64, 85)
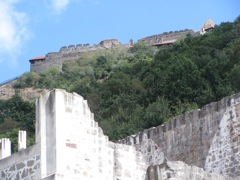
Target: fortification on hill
(70, 145)
(72, 52)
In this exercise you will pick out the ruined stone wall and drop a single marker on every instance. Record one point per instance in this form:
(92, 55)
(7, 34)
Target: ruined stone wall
(70, 145)
(72, 52)
(75, 147)
(23, 165)
(208, 138)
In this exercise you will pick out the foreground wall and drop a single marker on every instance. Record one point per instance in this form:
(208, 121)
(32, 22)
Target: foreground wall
(208, 138)
(70, 145)
(74, 147)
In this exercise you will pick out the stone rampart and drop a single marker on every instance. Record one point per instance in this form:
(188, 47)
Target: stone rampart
(72, 52)
(208, 138)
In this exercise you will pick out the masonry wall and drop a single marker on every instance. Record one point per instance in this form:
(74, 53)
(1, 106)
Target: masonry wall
(208, 138)
(23, 165)
(180, 171)
(167, 36)
(70, 145)
(72, 52)
(74, 147)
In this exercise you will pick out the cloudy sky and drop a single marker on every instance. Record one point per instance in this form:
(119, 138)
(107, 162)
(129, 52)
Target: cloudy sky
(30, 28)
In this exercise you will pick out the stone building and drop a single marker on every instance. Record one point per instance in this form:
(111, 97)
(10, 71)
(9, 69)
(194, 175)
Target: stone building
(208, 26)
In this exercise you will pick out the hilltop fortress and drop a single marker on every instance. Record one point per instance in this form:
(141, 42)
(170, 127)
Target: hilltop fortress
(72, 52)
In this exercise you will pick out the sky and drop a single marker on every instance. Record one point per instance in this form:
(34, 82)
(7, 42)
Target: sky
(31, 28)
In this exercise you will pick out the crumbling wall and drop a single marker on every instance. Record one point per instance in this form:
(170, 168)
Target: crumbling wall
(70, 145)
(74, 147)
(205, 138)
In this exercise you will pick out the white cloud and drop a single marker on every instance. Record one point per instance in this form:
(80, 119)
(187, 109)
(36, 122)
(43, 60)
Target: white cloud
(13, 30)
(59, 5)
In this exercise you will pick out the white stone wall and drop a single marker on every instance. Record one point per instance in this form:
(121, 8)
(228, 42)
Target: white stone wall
(74, 147)
(5, 148)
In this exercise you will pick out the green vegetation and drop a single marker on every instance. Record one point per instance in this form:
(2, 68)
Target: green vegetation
(131, 90)
(17, 114)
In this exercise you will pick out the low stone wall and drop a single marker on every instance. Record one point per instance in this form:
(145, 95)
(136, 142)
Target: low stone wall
(23, 165)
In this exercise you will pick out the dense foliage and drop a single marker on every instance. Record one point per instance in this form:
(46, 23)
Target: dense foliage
(17, 114)
(129, 90)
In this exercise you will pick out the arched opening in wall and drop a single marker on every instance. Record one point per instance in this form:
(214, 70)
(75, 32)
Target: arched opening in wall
(157, 40)
(150, 41)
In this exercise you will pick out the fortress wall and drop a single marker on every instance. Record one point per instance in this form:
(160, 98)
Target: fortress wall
(70, 145)
(24, 164)
(204, 138)
(53, 60)
(224, 154)
(72, 52)
(167, 36)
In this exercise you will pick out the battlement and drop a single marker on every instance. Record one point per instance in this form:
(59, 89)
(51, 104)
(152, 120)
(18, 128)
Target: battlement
(67, 53)
(105, 44)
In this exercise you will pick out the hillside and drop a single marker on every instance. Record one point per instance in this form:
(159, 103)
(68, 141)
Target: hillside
(129, 90)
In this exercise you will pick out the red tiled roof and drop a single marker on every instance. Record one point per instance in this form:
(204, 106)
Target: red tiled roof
(38, 58)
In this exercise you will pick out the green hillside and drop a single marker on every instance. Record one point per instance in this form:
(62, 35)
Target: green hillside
(129, 90)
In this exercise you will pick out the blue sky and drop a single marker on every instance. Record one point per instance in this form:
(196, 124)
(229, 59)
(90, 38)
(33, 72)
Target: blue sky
(30, 28)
